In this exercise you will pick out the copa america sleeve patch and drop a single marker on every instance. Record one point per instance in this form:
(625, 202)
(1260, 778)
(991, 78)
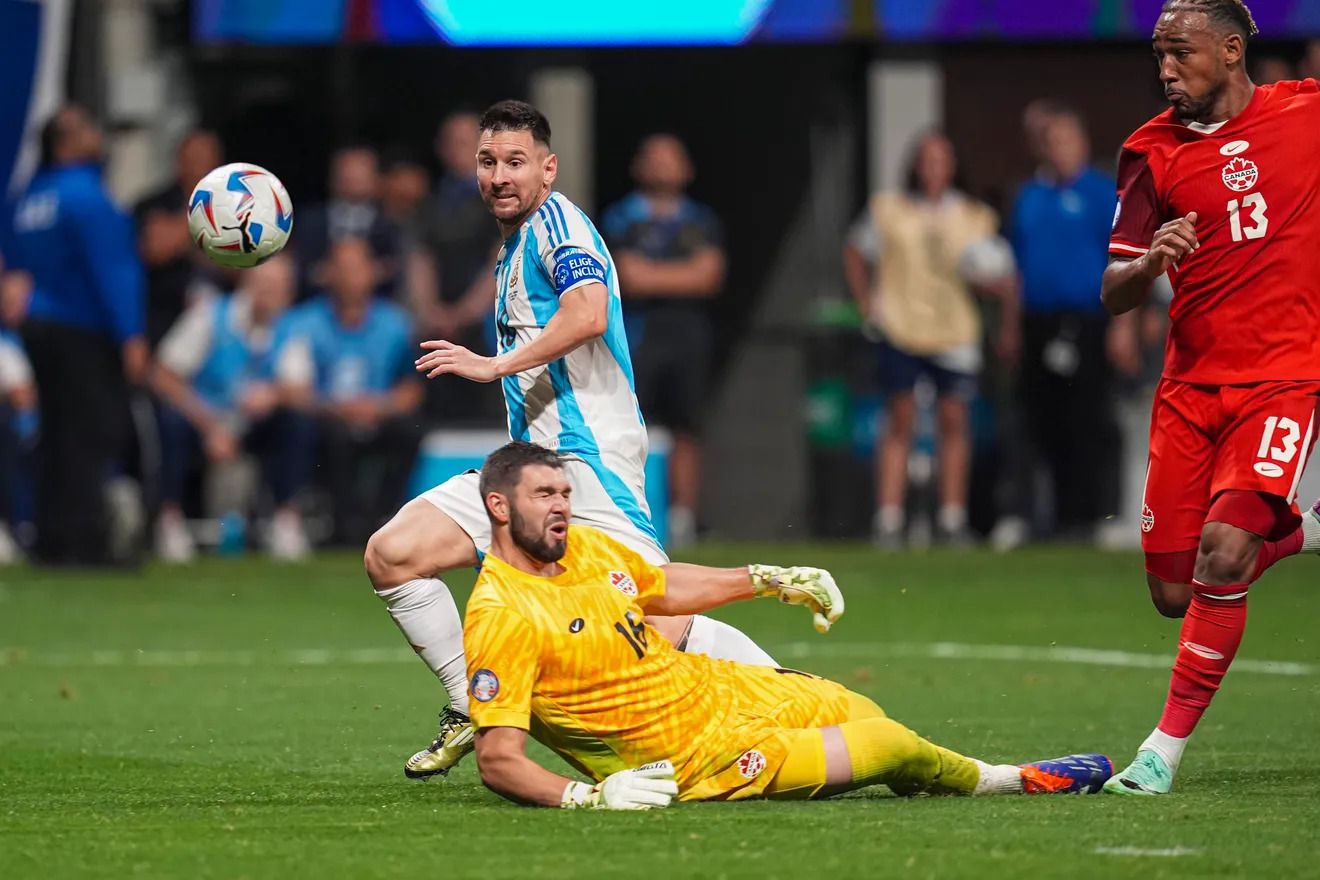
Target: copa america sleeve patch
(485, 686)
(574, 267)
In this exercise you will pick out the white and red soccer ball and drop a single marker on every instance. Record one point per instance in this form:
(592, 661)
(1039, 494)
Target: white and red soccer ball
(240, 215)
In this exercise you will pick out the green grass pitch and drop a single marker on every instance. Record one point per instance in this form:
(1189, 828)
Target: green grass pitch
(246, 719)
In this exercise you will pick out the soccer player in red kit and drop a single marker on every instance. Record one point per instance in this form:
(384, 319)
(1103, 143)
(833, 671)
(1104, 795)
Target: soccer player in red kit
(1222, 193)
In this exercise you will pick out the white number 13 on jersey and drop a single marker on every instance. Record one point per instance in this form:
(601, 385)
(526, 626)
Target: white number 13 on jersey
(1255, 203)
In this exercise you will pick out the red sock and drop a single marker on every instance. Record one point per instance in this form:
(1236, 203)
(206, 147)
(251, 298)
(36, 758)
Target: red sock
(1272, 551)
(1211, 633)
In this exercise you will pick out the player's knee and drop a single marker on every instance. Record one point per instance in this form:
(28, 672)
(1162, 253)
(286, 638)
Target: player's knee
(387, 557)
(1226, 556)
(1170, 600)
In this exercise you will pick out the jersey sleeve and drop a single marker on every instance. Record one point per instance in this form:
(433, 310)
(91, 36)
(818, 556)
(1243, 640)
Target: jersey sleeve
(569, 248)
(1137, 214)
(503, 661)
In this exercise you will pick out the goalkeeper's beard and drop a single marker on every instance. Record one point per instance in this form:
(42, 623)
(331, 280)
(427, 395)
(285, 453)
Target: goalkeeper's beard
(536, 544)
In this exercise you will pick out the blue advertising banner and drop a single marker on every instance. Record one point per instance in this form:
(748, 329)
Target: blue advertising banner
(699, 22)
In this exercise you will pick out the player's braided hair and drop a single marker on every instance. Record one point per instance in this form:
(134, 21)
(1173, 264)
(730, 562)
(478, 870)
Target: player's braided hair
(1230, 14)
(503, 468)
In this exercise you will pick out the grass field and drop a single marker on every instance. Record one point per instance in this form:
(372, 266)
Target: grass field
(243, 719)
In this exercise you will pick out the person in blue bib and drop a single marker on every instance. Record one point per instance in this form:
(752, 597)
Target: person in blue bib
(224, 385)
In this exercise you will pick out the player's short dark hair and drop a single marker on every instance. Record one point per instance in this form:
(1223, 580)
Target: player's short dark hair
(503, 468)
(514, 115)
(1229, 16)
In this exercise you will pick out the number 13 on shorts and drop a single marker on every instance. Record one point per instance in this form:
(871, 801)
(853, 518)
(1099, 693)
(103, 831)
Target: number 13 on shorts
(1283, 448)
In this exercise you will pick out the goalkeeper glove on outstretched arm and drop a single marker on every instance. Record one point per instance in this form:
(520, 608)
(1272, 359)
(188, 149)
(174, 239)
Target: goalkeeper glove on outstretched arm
(651, 785)
(800, 585)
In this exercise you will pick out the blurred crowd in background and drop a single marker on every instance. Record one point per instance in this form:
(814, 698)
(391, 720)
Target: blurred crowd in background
(154, 401)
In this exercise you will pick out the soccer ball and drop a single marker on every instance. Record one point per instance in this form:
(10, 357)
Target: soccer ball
(240, 215)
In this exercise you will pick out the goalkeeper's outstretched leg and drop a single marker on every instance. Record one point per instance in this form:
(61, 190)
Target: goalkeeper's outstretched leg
(879, 751)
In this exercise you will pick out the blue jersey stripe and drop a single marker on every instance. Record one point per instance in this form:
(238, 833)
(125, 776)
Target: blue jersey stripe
(544, 216)
(623, 498)
(563, 223)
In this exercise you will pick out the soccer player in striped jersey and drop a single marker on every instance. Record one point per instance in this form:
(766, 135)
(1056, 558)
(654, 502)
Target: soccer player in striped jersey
(567, 378)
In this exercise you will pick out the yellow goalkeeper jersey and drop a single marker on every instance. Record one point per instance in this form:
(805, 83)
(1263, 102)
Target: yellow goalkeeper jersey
(571, 659)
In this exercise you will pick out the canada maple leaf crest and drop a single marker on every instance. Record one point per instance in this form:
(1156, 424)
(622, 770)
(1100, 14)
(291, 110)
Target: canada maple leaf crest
(1240, 174)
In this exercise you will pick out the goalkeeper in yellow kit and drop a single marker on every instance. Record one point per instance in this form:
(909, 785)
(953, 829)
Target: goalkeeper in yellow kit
(558, 647)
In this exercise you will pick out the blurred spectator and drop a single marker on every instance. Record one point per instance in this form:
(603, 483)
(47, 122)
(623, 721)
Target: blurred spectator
(1272, 69)
(1036, 118)
(1060, 229)
(404, 189)
(1310, 63)
(451, 272)
(83, 334)
(162, 223)
(357, 350)
(907, 265)
(352, 211)
(18, 428)
(670, 254)
(217, 374)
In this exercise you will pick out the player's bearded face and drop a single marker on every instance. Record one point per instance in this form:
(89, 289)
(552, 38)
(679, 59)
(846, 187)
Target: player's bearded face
(514, 173)
(538, 521)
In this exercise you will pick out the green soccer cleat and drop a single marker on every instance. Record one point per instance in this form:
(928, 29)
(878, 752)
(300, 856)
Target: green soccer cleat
(451, 745)
(1146, 776)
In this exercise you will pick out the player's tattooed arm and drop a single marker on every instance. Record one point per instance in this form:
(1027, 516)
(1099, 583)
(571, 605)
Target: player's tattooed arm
(1127, 282)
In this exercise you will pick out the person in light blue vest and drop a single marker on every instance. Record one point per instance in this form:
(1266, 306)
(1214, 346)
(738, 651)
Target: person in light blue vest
(356, 348)
(225, 385)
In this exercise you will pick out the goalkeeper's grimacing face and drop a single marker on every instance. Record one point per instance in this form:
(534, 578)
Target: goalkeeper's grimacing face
(515, 174)
(539, 510)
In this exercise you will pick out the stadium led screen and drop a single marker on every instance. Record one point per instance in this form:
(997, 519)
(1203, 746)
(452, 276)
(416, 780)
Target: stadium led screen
(697, 22)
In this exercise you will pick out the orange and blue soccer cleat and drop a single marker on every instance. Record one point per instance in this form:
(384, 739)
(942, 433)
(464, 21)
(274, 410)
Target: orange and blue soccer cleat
(1071, 774)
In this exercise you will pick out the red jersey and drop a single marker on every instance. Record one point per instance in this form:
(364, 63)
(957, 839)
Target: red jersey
(1246, 304)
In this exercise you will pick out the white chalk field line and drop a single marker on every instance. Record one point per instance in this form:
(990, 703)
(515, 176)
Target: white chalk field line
(15, 656)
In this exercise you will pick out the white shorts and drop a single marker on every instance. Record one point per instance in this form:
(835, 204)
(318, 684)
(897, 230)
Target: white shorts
(618, 515)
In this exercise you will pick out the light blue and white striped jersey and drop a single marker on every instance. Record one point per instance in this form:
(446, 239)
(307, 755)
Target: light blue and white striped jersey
(584, 403)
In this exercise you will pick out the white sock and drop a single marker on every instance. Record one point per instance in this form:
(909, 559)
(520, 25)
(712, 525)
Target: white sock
(953, 517)
(1170, 748)
(889, 519)
(1310, 533)
(426, 614)
(723, 642)
(998, 779)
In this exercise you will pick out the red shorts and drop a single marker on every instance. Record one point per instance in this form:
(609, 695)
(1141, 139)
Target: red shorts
(1205, 439)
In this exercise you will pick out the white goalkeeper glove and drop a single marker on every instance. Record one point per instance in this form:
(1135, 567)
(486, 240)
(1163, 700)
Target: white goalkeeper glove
(651, 785)
(800, 585)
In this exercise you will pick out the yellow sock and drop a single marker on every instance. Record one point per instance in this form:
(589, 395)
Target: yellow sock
(884, 751)
(881, 752)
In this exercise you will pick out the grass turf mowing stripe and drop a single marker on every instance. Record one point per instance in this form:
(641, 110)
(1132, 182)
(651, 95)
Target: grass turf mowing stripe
(17, 656)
